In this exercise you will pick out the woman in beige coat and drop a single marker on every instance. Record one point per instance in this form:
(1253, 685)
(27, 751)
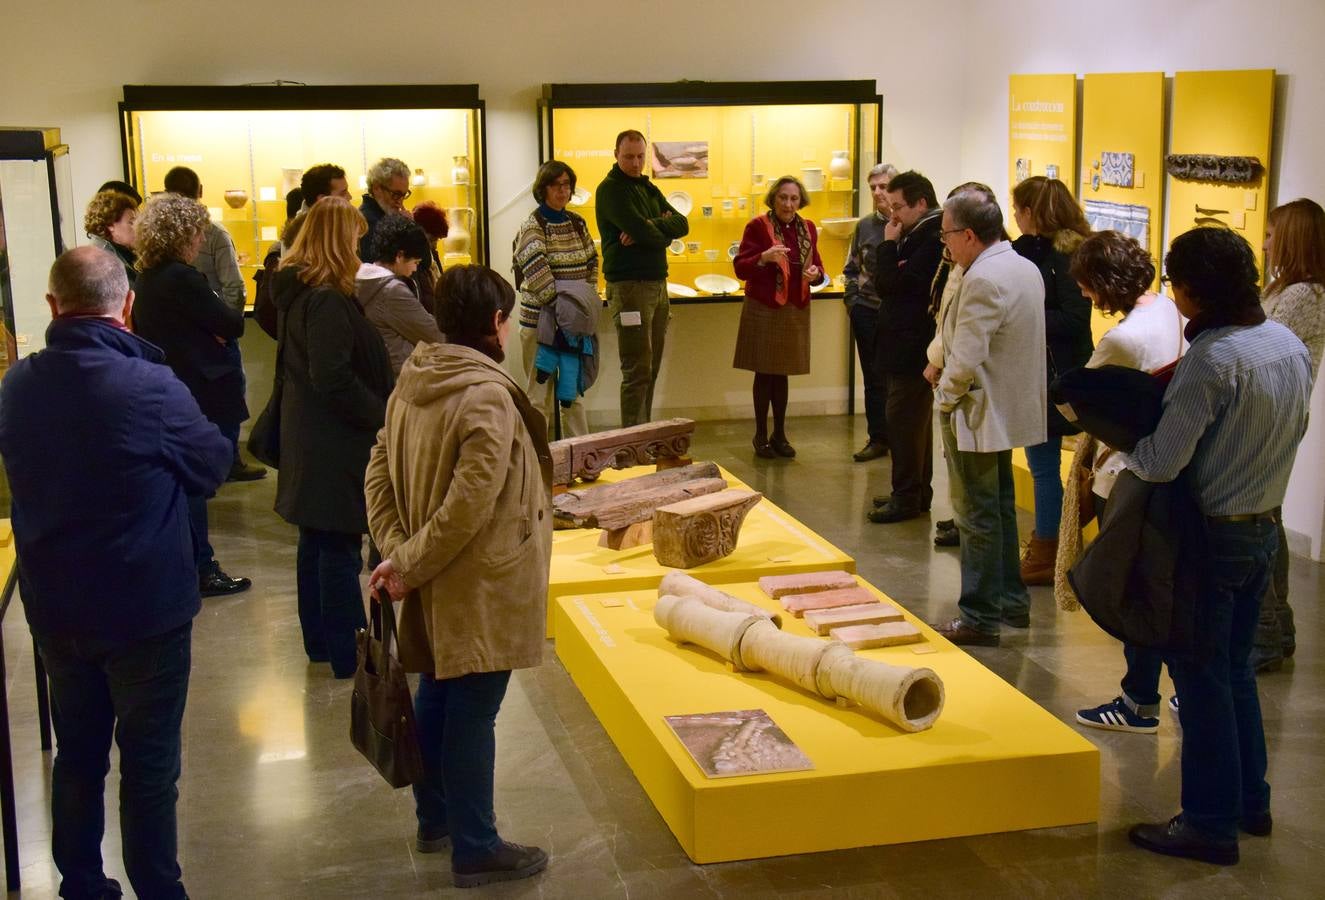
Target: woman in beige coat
(459, 502)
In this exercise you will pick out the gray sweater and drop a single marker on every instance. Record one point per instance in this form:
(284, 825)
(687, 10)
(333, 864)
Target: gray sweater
(865, 241)
(1301, 309)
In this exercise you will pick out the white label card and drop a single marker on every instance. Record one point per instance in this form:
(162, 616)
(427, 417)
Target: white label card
(631, 317)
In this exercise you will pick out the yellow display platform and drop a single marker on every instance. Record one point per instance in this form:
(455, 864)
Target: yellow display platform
(1024, 485)
(993, 762)
(772, 542)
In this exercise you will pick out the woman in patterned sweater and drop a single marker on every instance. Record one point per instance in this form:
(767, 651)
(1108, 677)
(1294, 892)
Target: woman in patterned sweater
(553, 245)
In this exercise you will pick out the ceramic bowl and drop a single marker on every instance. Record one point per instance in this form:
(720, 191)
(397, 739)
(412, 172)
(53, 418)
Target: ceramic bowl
(717, 284)
(838, 228)
(235, 198)
(681, 202)
(711, 255)
(681, 290)
(733, 248)
(676, 247)
(580, 197)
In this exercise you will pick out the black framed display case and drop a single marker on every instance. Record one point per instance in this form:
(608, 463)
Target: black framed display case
(715, 147)
(37, 223)
(250, 144)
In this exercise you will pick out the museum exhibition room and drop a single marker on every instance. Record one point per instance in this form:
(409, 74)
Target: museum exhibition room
(439, 342)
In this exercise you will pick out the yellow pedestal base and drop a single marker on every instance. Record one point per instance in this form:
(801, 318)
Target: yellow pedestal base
(993, 762)
(771, 543)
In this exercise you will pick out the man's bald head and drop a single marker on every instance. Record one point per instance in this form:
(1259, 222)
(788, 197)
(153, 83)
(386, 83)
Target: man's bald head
(88, 281)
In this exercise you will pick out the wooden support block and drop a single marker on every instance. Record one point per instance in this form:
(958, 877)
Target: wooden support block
(580, 507)
(886, 634)
(698, 531)
(825, 620)
(778, 586)
(589, 454)
(635, 534)
(797, 604)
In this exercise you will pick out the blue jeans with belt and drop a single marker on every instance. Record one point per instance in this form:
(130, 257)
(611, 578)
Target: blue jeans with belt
(456, 718)
(134, 691)
(1223, 740)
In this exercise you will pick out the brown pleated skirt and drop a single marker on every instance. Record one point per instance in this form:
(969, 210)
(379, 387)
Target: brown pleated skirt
(773, 341)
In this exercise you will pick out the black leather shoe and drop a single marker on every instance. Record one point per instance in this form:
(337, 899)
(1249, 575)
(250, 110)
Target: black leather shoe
(782, 448)
(242, 471)
(1176, 838)
(507, 863)
(893, 512)
(964, 635)
(1257, 824)
(763, 449)
(872, 450)
(218, 584)
(946, 533)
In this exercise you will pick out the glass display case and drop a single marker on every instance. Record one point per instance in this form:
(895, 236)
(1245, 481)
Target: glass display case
(37, 224)
(251, 144)
(714, 150)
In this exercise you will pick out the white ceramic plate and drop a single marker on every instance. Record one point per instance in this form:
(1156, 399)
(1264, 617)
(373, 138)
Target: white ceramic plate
(580, 197)
(677, 247)
(717, 284)
(733, 248)
(681, 202)
(680, 290)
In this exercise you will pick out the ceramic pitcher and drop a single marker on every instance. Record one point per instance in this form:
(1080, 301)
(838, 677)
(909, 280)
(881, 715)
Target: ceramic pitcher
(460, 221)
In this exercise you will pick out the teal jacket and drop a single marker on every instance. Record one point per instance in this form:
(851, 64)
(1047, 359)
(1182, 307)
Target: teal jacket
(637, 207)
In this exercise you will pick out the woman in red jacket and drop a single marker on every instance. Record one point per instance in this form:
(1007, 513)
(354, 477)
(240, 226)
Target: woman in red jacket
(778, 260)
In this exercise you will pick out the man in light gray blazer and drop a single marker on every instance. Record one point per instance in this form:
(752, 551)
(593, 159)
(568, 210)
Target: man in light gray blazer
(991, 398)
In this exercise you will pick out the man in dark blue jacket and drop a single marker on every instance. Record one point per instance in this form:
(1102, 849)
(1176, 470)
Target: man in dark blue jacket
(101, 443)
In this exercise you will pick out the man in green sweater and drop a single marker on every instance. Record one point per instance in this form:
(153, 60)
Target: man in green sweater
(636, 224)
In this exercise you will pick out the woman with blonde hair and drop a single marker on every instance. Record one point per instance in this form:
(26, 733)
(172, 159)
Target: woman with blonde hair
(334, 375)
(1052, 228)
(109, 223)
(176, 309)
(1295, 298)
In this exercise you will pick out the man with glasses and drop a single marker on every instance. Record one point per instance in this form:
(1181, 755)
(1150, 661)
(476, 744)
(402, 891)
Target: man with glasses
(904, 267)
(388, 189)
(991, 398)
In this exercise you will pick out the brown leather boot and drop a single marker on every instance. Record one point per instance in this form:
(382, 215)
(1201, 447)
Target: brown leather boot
(1037, 563)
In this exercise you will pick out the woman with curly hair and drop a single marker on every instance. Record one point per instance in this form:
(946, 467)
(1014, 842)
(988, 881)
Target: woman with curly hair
(1052, 228)
(459, 498)
(1114, 273)
(179, 312)
(109, 223)
(335, 376)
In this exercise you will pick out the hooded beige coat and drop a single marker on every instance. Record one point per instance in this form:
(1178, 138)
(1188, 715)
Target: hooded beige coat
(459, 498)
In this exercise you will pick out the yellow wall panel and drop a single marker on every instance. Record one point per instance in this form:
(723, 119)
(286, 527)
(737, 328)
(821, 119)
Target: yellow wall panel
(1227, 113)
(1042, 128)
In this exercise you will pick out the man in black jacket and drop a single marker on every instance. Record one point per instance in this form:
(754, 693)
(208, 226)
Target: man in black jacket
(905, 264)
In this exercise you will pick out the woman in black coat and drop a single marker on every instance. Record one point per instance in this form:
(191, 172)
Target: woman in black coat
(1052, 227)
(336, 378)
(175, 309)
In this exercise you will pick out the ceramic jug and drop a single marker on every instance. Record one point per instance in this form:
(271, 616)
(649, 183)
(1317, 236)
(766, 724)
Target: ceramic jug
(460, 220)
(460, 171)
(840, 165)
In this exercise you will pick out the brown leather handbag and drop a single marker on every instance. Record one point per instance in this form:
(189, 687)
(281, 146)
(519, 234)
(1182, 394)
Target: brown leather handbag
(382, 725)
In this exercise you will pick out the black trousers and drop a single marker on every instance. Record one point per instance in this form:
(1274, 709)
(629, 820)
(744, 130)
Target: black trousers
(910, 418)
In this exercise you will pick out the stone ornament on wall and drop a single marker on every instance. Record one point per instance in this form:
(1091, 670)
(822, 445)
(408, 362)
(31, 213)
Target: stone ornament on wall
(1117, 169)
(1212, 168)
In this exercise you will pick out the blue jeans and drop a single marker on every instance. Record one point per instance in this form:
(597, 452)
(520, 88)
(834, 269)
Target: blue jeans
(864, 326)
(1223, 740)
(1046, 462)
(135, 691)
(457, 731)
(986, 513)
(330, 604)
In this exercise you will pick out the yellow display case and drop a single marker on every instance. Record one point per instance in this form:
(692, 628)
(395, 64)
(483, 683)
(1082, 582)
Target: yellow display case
(251, 144)
(722, 145)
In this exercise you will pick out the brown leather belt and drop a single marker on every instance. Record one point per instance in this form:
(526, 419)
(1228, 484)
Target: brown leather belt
(1244, 517)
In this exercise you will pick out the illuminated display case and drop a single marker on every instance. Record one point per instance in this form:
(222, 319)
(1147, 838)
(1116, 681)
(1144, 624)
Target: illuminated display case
(37, 224)
(251, 144)
(715, 147)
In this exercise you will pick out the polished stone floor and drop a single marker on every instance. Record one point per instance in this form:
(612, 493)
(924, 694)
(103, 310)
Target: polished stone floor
(275, 803)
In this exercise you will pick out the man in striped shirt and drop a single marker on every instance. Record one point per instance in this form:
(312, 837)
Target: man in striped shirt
(1233, 417)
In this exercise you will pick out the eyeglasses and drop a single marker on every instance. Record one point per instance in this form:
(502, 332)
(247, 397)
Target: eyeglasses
(399, 196)
(943, 235)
